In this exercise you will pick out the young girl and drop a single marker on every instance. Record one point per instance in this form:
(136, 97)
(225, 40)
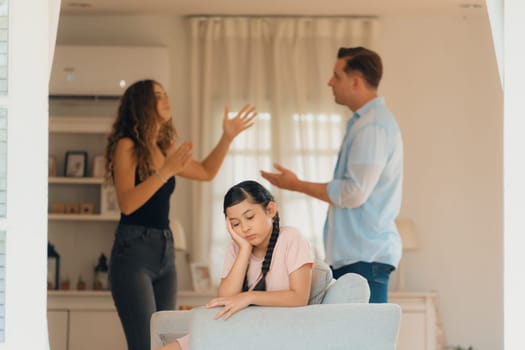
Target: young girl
(142, 159)
(266, 264)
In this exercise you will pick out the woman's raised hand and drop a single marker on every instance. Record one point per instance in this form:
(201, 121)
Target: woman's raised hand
(177, 159)
(242, 121)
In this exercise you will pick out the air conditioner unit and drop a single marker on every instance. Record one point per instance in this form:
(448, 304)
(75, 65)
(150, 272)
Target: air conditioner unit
(105, 71)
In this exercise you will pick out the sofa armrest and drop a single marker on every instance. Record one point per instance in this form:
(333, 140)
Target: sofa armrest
(329, 326)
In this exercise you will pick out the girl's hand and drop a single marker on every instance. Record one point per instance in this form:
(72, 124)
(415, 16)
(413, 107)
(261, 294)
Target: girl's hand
(240, 241)
(230, 304)
(177, 159)
(242, 121)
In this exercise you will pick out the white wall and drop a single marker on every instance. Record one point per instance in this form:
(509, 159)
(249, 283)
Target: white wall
(441, 81)
(514, 172)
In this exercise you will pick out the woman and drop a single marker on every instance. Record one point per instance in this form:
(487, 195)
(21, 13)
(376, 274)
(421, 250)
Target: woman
(142, 159)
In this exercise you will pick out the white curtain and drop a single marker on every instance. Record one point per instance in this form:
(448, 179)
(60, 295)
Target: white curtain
(282, 66)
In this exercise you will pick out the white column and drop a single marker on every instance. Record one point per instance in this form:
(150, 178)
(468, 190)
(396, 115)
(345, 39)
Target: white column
(514, 174)
(27, 104)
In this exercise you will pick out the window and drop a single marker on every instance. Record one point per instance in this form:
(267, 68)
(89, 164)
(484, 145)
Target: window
(281, 66)
(316, 141)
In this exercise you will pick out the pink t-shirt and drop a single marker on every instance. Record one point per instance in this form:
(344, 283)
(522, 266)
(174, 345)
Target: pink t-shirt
(291, 252)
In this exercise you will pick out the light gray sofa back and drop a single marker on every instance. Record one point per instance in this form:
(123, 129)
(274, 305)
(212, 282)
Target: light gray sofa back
(334, 326)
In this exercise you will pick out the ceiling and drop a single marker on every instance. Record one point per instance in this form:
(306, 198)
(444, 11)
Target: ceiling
(274, 7)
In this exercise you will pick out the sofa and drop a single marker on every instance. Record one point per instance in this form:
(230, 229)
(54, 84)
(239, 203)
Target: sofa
(338, 317)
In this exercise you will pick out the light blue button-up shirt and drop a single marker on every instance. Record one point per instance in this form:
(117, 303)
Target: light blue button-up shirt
(366, 190)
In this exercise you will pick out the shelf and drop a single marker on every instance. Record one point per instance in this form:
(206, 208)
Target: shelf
(76, 180)
(85, 125)
(79, 300)
(106, 293)
(79, 293)
(83, 217)
(92, 300)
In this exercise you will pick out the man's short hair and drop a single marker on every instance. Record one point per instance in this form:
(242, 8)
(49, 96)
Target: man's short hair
(365, 61)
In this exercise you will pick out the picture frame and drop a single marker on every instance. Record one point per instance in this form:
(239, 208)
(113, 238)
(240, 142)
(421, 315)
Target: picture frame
(99, 166)
(108, 201)
(201, 277)
(75, 164)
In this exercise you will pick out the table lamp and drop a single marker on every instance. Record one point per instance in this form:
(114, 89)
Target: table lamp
(407, 231)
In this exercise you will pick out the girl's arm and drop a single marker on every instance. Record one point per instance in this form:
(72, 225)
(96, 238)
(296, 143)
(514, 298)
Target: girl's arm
(208, 168)
(232, 284)
(297, 295)
(131, 197)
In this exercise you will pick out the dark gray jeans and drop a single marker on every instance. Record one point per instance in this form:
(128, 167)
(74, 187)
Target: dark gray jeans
(142, 278)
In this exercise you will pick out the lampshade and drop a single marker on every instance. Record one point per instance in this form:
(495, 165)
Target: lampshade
(407, 231)
(178, 234)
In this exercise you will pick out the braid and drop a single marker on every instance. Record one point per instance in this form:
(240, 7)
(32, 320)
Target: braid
(245, 283)
(269, 253)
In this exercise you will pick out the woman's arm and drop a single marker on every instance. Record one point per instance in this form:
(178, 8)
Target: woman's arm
(208, 168)
(131, 197)
(297, 295)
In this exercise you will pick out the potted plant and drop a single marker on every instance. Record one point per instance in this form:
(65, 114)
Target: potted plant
(64, 283)
(81, 284)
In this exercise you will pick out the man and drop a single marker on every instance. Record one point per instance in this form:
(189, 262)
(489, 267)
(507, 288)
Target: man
(364, 197)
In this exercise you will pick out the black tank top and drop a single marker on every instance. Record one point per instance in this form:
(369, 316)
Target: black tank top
(155, 212)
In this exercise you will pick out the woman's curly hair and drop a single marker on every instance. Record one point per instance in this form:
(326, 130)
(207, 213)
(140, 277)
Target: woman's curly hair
(137, 119)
